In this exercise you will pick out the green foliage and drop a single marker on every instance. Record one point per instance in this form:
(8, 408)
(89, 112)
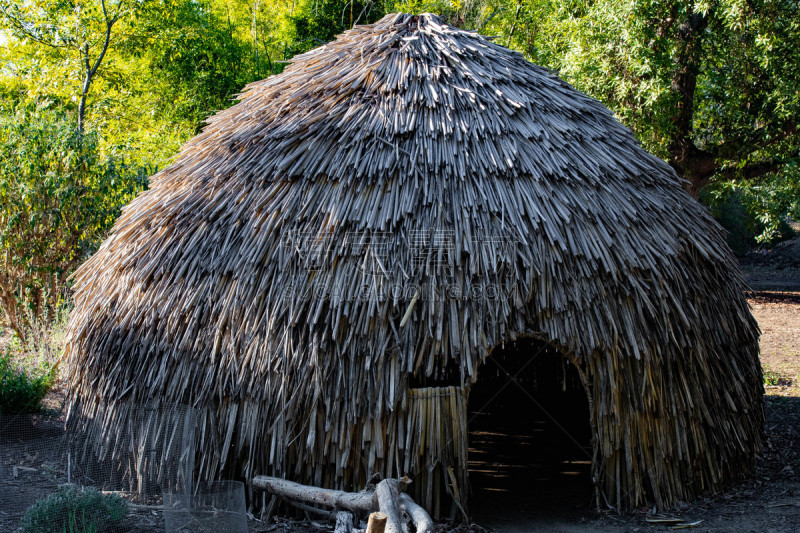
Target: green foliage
(172, 63)
(316, 22)
(466, 14)
(726, 206)
(74, 510)
(71, 39)
(198, 60)
(22, 389)
(776, 379)
(625, 53)
(58, 198)
(754, 212)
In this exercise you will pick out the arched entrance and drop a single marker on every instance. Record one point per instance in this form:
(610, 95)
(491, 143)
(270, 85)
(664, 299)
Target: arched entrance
(529, 452)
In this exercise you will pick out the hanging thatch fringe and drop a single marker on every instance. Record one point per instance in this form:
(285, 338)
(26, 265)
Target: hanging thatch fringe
(138, 448)
(387, 210)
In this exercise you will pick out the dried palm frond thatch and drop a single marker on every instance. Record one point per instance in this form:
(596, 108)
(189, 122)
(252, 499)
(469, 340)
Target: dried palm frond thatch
(381, 215)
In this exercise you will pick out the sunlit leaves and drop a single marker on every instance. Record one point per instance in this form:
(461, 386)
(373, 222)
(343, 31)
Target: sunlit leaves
(175, 62)
(58, 198)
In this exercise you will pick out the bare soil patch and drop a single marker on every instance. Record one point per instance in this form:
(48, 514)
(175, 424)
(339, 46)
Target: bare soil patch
(778, 316)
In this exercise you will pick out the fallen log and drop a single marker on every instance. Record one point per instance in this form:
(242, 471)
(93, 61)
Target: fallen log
(387, 498)
(364, 502)
(419, 516)
(388, 492)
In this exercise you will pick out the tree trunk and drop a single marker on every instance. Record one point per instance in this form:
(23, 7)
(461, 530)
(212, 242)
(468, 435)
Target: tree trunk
(81, 112)
(338, 499)
(691, 163)
(91, 70)
(420, 517)
(388, 492)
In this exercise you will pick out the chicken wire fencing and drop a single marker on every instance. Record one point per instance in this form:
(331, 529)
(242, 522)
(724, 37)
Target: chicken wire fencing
(105, 474)
(211, 508)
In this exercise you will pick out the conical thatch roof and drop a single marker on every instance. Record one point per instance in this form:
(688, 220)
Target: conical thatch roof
(381, 215)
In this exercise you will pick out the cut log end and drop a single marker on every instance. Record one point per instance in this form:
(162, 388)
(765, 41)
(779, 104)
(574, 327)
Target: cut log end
(377, 523)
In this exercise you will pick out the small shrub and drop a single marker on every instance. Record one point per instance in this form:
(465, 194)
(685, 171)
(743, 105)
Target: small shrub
(74, 510)
(45, 342)
(774, 379)
(22, 389)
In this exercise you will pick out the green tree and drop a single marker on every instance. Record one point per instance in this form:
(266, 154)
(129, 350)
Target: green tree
(58, 198)
(316, 22)
(168, 66)
(467, 14)
(196, 61)
(77, 33)
(195, 56)
(711, 86)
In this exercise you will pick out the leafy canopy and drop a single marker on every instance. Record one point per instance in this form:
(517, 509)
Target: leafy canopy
(711, 86)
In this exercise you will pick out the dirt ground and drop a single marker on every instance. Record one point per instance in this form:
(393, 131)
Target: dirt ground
(769, 502)
(778, 316)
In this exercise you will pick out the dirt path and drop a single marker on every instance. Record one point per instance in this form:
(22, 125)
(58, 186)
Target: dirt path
(778, 316)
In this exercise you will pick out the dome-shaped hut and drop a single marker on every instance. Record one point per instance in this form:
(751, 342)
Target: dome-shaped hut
(325, 268)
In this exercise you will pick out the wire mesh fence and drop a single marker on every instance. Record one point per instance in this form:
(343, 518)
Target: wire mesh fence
(102, 474)
(211, 508)
(138, 450)
(33, 463)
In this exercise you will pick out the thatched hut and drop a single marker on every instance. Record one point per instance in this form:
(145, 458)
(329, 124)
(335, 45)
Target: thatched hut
(324, 269)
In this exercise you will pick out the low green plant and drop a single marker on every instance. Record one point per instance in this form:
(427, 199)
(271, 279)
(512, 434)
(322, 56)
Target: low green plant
(74, 526)
(75, 510)
(771, 378)
(44, 342)
(774, 379)
(23, 388)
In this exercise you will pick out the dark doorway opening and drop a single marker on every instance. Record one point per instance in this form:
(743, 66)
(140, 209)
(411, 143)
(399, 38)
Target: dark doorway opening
(530, 452)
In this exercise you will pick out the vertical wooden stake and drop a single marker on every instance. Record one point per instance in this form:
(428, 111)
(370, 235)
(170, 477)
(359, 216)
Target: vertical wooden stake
(344, 522)
(377, 523)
